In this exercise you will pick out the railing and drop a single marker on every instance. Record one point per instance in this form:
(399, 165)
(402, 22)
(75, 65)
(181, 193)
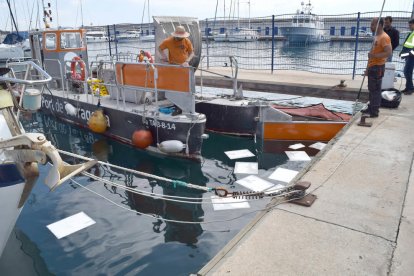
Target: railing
(344, 51)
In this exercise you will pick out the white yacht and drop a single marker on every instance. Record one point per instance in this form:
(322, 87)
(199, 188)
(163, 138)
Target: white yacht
(128, 36)
(306, 27)
(243, 35)
(96, 37)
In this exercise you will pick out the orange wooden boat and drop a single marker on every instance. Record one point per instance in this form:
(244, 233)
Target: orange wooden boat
(308, 124)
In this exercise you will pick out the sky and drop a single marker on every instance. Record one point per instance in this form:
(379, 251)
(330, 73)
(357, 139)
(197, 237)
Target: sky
(103, 12)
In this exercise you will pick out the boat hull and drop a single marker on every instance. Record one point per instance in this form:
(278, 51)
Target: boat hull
(11, 190)
(301, 131)
(303, 35)
(123, 124)
(229, 119)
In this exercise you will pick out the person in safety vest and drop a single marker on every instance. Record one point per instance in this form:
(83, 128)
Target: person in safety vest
(407, 53)
(381, 50)
(180, 48)
(145, 57)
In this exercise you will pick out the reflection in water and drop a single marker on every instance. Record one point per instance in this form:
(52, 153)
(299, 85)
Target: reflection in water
(123, 241)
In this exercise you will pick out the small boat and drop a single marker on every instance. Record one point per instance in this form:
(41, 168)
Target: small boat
(21, 152)
(141, 104)
(96, 37)
(307, 125)
(305, 28)
(243, 35)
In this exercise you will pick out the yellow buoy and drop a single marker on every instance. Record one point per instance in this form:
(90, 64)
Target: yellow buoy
(98, 122)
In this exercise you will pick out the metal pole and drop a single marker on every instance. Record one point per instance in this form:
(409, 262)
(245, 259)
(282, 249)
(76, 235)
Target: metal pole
(207, 42)
(412, 11)
(109, 40)
(81, 8)
(116, 43)
(273, 43)
(356, 45)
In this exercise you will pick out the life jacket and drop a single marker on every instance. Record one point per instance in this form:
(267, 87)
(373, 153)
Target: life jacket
(408, 46)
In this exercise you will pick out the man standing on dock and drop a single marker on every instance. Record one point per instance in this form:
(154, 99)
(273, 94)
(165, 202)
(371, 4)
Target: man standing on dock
(381, 50)
(180, 48)
(407, 53)
(393, 33)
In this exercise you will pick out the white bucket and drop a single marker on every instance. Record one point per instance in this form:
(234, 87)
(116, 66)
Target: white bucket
(389, 75)
(32, 99)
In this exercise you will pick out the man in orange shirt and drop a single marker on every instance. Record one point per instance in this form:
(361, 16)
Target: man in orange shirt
(180, 49)
(377, 57)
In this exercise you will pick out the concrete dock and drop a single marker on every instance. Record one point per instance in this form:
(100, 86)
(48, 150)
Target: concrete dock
(299, 83)
(362, 222)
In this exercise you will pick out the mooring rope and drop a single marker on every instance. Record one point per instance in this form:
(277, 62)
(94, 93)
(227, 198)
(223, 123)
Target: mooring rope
(154, 216)
(175, 183)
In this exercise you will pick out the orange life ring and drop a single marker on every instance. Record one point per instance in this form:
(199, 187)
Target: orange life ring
(147, 55)
(75, 75)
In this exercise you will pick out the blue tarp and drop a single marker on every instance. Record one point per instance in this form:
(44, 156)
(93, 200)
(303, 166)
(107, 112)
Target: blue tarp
(13, 38)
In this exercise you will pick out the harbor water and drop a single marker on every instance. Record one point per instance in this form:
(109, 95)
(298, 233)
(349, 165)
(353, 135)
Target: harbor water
(129, 238)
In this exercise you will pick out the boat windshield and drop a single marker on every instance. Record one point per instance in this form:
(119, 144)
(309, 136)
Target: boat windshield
(70, 40)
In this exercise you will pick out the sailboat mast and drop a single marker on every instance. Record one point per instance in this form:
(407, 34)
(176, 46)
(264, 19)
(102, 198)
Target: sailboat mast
(149, 20)
(238, 14)
(81, 8)
(248, 2)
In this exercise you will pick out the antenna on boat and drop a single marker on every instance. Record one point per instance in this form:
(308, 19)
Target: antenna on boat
(47, 14)
(81, 8)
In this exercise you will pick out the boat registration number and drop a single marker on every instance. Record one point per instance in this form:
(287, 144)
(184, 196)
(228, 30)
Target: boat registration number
(164, 125)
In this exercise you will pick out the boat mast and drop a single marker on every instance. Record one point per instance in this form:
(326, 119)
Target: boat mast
(149, 19)
(81, 8)
(12, 17)
(248, 2)
(238, 14)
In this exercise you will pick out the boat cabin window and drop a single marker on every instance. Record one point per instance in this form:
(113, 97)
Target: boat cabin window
(70, 40)
(50, 43)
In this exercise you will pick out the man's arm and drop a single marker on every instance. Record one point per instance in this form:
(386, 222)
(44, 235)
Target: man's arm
(384, 54)
(162, 54)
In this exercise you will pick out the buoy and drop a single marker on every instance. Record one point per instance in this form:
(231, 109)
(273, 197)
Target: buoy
(70, 109)
(142, 138)
(98, 122)
(171, 146)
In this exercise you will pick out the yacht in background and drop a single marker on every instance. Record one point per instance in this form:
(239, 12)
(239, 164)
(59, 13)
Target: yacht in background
(128, 36)
(243, 35)
(306, 27)
(96, 37)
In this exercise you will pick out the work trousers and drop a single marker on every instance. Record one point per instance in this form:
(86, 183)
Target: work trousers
(408, 73)
(375, 75)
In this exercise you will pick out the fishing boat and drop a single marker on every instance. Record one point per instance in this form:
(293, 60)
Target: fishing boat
(305, 28)
(141, 104)
(21, 152)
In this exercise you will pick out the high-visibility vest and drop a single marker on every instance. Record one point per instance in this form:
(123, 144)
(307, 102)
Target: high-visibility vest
(409, 42)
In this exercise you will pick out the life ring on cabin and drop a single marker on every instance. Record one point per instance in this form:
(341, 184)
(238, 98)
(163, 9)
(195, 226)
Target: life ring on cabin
(75, 75)
(144, 54)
